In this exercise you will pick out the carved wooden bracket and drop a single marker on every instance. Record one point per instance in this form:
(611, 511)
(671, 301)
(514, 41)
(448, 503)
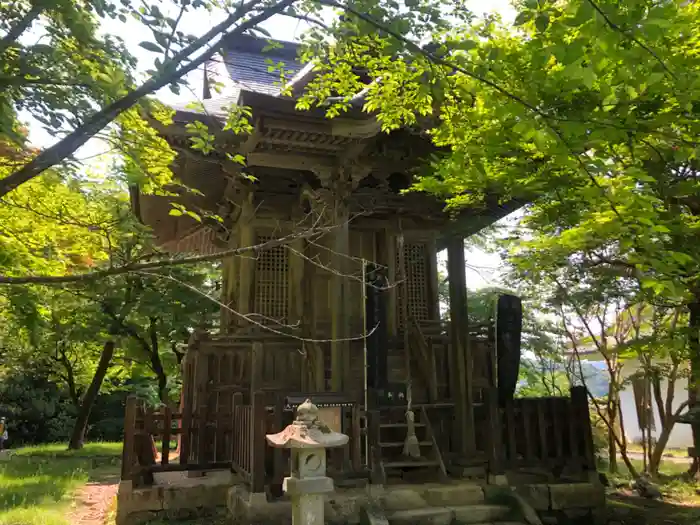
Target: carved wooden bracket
(342, 180)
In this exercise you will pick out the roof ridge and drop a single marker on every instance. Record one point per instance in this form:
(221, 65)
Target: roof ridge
(261, 46)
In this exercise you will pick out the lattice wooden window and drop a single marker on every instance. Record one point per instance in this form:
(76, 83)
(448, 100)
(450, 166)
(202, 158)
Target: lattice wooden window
(417, 271)
(271, 284)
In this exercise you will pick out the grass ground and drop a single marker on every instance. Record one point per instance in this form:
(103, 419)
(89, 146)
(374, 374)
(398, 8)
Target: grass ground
(41, 485)
(669, 452)
(36, 486)
(680, 504)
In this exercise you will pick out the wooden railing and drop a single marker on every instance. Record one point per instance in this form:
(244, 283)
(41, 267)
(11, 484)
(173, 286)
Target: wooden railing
(547, 432)
(144, 429)
(248, 443)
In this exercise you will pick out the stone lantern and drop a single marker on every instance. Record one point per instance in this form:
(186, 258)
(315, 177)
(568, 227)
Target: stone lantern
(308, 438)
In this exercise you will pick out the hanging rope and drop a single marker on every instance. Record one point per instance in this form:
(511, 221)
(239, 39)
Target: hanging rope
(364, 346)
(411, 446)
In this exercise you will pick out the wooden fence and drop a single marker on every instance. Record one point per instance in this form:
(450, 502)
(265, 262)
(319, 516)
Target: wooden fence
(525, 432)
(249, 447)
(548, 432)
(160, 440)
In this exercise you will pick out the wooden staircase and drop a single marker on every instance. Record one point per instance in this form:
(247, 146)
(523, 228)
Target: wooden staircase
(395, 466)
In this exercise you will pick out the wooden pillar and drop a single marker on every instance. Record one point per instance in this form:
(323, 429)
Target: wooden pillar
(201, 401)
(494, 433)
(246, 262)
(338, 183)
(433, 280)
(460, 360)
(340, 235)
(298, 302)
(233, 193)
(230, 273)
(386, 256)
(128, 453)
(258, 444)
(296, 282)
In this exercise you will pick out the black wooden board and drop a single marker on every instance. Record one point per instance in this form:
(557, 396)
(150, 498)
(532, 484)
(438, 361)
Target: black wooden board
(509, 323)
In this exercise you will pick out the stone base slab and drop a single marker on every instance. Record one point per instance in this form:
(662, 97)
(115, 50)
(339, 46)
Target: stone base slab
(214, 495)
(562, 496)
(175, 497)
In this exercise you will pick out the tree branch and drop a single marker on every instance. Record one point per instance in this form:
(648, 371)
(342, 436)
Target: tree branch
(131, 268)
(78, 137)
(633, 38)
(15, 32)
(432, 57)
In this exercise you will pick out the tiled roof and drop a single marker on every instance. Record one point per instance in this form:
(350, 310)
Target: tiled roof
(250, 71)
(245, 61)
(213, 107)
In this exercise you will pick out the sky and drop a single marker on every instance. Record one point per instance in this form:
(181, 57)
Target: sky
(483, 268)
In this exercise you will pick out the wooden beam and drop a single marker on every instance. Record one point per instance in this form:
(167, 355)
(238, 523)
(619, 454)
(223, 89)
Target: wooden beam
(461, 363)
(433, 279)
(296, 302)
(293, 161)
(339, 296)
(246, 265)
(386, 255)
(296, 281)
(230, 287)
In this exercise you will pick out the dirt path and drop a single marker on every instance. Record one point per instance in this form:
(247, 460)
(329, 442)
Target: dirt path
(668, 459)
(92, 502)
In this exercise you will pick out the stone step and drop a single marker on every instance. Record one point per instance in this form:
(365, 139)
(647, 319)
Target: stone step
(454, 495)
(412, 463)
(397, 444)
(425, 516)
(470, 514)
(460, 515)
(399, 425)
(501, 523)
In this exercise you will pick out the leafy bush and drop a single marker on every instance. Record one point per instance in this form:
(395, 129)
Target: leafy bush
(38, 410)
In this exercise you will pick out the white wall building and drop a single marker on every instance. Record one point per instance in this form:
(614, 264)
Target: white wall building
(681, 436)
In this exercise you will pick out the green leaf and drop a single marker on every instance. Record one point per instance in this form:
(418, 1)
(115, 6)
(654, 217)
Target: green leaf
(466, 44)
(522, 18)
(588, 77)
(542, 22)
(175, 213)
(654, 78)
(151, 46)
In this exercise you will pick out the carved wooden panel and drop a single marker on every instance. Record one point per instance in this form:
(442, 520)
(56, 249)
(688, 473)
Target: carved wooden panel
(202, 241)
(417, 275)
(271, 284)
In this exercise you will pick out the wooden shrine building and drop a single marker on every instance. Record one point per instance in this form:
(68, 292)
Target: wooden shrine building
(345, 307)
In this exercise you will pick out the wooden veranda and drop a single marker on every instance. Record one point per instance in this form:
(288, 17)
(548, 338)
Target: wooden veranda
(238, 390)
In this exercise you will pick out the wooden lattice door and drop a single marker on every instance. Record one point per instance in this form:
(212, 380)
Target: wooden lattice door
(416, 272)
(271, 284)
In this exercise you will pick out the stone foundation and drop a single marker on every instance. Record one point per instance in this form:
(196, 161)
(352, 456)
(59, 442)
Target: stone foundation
(565, 502)
(174, 496)
(341, 507)
(401, 503)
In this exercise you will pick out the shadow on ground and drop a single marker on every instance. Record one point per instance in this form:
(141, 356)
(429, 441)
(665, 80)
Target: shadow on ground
(625, 508)
(28, 481)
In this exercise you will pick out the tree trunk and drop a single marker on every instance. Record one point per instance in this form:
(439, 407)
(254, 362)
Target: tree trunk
(612, 422)
(78, 437)
(694, 380)
(657, 453)
(156, 363)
